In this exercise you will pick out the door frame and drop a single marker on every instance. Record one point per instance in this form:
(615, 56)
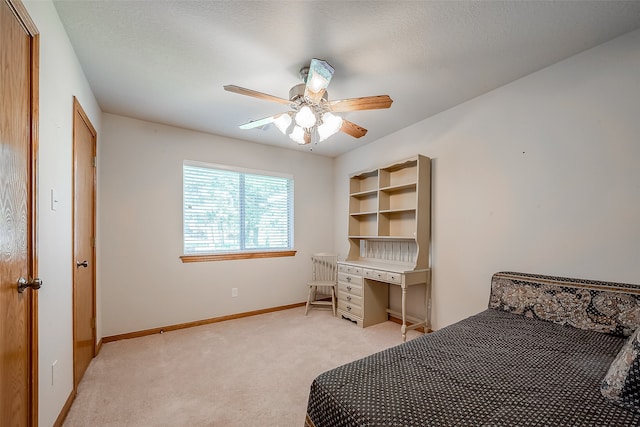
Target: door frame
(22, 16)
(79, 111)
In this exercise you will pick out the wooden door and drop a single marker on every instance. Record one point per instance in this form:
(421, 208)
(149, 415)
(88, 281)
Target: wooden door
(18, 145)
(84, 153)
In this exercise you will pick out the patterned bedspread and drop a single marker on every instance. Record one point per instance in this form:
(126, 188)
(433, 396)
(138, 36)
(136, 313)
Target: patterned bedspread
(492, 369)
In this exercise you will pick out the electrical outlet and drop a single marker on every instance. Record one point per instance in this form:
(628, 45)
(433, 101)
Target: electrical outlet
(234, 292)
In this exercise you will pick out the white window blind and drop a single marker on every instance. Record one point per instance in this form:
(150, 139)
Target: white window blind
(227, 210)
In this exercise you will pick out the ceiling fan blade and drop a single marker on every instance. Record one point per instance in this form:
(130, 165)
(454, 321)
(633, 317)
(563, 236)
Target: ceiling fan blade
(364, 103)
(352, 129)
(257, 123)
(255, 94)
(320, 73)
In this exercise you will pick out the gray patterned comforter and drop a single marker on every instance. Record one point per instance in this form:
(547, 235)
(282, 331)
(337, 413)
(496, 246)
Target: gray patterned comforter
(492, 369)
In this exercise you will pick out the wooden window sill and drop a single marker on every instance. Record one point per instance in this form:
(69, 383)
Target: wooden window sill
(243, 255)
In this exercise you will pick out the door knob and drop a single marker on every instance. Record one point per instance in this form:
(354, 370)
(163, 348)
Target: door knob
(84, 263)
(24, 284)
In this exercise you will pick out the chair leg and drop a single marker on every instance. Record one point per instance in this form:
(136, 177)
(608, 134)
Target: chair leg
(333, 300)
(306, 309)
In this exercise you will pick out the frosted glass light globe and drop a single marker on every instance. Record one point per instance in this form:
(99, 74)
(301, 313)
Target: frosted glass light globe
(305, 117)
(330, 125)
(283, 122)
(297, 134)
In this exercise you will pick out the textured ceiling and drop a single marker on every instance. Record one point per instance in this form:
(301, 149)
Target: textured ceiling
(167, 61)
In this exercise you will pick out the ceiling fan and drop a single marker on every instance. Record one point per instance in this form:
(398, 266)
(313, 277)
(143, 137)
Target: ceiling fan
(311, 115)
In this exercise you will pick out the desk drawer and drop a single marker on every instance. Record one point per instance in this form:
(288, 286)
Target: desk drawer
(349, 278)
(350, 269)
(350, 308)
(378, 275)
(350, 288)
(394, 278)
(349, 298)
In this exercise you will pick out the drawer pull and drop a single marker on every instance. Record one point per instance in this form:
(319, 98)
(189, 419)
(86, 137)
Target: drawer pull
(348, 278)
(349, 307)
(349, 288)
(349, 298)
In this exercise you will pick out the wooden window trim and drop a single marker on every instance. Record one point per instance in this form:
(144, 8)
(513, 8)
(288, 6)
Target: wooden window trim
(232, 256)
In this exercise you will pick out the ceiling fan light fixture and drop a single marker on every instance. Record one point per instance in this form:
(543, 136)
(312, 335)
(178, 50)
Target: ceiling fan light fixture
(310, 118)
(331, 124)
(317, 83)
(297, 134)
(319, 75)
(305, 117)
(283, 122)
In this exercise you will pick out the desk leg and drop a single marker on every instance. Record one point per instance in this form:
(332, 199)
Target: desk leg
(404, 320)
(427, 292)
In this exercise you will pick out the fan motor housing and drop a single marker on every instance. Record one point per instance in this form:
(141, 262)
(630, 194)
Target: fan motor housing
(297, 92)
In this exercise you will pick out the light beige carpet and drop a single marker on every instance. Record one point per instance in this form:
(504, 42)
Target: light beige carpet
(250, 371)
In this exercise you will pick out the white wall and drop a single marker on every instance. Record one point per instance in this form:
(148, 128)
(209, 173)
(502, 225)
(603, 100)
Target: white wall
(144, 283)
(61, 78)
(539, 176)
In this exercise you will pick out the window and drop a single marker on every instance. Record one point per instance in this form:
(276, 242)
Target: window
(230, 211)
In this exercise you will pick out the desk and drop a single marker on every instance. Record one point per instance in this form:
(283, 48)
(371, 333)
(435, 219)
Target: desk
(363, 293)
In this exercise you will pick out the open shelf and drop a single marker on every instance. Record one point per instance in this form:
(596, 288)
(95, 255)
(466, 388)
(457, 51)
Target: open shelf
(363, 224)
(399, 174)
(394, 188)
(397, 223)
(364, 182)
(363, 202)
(398, 199)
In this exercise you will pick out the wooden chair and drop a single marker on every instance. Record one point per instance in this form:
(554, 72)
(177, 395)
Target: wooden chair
(324, 282)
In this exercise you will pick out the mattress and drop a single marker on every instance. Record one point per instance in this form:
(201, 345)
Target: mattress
(492, 369)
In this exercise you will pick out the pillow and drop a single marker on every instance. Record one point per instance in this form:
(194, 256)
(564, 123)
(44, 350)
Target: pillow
(621, 385)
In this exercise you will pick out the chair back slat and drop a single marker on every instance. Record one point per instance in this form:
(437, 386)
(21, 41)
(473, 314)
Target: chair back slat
(325, 267)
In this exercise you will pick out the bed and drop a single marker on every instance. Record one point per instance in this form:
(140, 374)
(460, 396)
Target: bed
(548, 351)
